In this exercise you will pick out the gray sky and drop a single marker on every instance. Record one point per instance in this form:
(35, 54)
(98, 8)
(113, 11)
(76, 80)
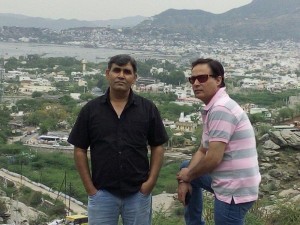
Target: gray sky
(110, 9)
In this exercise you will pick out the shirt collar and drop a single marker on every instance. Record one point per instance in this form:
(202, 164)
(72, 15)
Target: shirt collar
(220, 93)
(131, 100)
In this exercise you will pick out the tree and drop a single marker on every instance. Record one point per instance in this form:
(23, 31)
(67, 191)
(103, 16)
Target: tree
(36, 94)
(257, 117)
(172, 111)
(102, 83)
(87, 96)
(4, 127)
(297, 109)
(285, 113)
(178, 141)
(175, 77)
(67, 101)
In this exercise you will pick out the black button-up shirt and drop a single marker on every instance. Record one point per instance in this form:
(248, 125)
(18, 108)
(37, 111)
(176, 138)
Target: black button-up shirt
(118, 145)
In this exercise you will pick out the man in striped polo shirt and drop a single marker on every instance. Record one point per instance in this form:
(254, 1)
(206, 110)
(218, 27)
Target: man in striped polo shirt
(226, 162)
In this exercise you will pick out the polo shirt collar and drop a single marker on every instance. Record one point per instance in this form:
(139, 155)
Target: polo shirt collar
(220, 93)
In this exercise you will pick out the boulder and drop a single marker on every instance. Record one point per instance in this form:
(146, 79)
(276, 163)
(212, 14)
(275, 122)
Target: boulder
(289, 192)
(266, 165)
(298, 157)
(270, 153)
(264, 138)
(286, 138)
(275, 173)
(270, 145)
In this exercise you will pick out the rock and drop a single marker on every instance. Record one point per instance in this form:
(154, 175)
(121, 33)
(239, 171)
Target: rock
(296, 198)
(288, 192)
(268, 210)
(18, 211)
(162, 202)
(275, 173)
(266, 177)
(270, 145)
(298, 157)
(277, 158)
(266, 165)
(286, 138)
(2, 193)
(264, 138)
(272, 197)
(276, 137)
(270, 153)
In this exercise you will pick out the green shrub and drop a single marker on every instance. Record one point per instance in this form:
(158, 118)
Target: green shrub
(57, 210)
(3, 208)
(286, 214)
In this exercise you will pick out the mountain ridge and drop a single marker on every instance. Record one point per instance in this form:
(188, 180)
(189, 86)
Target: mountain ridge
(260, 19)
(8, 19)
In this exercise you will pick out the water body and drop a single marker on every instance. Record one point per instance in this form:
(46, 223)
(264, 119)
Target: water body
(8, 49)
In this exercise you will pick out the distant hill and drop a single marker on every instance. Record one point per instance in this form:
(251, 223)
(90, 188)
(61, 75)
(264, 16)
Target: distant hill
(261, 19)
(7, 19)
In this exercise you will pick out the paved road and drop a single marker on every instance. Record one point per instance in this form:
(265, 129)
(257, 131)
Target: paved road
(76, 208)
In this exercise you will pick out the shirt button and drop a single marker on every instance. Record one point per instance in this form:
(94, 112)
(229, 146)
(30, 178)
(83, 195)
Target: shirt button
(120, 153)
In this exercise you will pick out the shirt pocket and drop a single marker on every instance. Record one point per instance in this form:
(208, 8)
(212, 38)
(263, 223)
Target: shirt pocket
(137, 132)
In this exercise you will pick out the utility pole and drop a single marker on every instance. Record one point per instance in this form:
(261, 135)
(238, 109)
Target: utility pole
(21, 171)
(65, 187)
(70, 187)
(2, 71)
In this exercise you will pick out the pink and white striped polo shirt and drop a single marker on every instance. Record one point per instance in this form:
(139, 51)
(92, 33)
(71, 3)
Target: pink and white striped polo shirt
(237, 176)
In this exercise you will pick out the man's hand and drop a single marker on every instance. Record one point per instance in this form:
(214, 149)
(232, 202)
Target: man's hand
(147, 187)
(183, 189)
(184, 174)
(92, 192)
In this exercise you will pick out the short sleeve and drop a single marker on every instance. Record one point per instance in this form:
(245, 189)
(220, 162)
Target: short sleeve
(157, 134)
(221, 124)
(79, 135)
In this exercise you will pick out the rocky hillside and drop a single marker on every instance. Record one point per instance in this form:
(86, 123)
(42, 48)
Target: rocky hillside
(15, 212)
(280, 166)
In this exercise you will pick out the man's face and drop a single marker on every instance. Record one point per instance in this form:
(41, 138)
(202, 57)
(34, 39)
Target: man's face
(120, 78)
(206, 90)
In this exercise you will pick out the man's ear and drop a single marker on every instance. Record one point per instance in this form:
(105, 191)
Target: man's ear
(135, 78)
(107, 73)
(219, 80)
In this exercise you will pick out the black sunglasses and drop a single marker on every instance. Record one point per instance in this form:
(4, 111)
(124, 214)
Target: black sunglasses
(201, 78)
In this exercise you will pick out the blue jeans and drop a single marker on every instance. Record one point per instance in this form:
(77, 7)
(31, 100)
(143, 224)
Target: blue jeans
(105, 209)
(224, 213)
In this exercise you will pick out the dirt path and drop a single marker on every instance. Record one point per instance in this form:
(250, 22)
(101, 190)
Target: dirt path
(76, 208)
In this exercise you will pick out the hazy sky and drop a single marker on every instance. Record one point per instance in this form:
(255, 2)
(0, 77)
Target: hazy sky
(110, 9)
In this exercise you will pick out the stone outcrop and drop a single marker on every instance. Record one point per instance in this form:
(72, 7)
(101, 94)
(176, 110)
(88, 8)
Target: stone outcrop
(285, 138)
(18, 213)
(270, 145)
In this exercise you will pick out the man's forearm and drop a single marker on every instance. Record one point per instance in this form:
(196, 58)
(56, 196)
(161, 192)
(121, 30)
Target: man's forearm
(196, 158)
(204, 166)
(156, 161)
(81, 162)
(210, 160)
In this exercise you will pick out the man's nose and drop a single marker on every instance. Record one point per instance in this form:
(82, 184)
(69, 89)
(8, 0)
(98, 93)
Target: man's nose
(121, 74)
(197, 83)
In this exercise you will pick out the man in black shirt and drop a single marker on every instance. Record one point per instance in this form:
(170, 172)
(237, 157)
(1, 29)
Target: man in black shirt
(117, 127)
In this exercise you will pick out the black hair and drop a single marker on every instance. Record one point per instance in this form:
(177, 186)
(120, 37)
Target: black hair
(122, 60)
(216, 67)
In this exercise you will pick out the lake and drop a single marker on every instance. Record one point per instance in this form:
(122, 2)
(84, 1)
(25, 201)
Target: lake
(8, 49)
